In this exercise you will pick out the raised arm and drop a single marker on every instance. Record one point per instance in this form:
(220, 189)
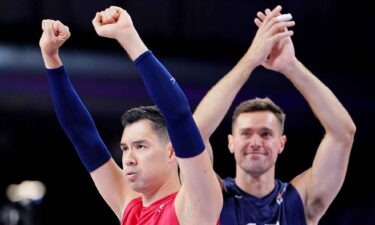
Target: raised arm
(77, 122)
(213, 107)
(319, 185)
(199, 200)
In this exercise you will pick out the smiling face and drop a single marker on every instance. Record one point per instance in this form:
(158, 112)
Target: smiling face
(147, 157)
(256, 141)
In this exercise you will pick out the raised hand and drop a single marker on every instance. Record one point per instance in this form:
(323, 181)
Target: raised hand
(113, 22)
(282, 53)
(53, 37)
(270, 33)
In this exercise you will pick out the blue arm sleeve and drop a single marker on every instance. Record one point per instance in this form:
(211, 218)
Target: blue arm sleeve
(168, 96)
(76, 120)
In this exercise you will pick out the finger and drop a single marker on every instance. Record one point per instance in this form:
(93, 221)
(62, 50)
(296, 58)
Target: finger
(112, 12)
(280, 36)
(261, 16)
(43, 22)
(257, 22)
(108, 15)
(281, 27)
(113, 15)
(64, 31)
(46, 23)
(105, 17)
(49, 29)
(115, 11)
(276, 11)
(57, 27)
(97, 21)
(268, 12)
(116, 8)
(270, 19)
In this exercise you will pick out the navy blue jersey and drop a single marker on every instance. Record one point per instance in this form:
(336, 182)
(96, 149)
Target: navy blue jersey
(283, 206)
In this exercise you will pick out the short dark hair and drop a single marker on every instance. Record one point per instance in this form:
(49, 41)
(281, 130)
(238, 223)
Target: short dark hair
(258, 105)
(151, 113)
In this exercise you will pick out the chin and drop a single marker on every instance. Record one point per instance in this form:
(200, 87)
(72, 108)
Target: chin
(137, 187)
(254, 170)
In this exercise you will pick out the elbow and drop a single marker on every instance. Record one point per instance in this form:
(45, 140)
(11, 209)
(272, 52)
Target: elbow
(180, 113)
(350, 132)
(352, 128)
(344, 133)
(347, 133)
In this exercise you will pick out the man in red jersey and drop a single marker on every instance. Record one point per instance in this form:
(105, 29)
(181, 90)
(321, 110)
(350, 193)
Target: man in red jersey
(148, 190)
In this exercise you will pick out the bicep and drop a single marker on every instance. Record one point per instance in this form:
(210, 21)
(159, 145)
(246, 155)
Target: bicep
(319, 185)
(113, 187)
(200, 196)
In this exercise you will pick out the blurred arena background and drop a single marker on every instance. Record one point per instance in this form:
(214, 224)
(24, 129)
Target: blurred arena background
(199, 41)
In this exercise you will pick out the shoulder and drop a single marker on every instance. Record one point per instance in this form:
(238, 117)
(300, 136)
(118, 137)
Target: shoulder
(134, 203)
(162, 212)
(287, 190)
(292, 200)
(228, 184)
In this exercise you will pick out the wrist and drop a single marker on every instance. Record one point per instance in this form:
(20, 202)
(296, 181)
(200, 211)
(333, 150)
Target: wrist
(290, 66)
(131, 42)
(248, 62)
(51, 60)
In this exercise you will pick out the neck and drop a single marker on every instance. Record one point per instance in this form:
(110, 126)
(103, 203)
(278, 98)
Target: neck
(170, 186)
(256, 185)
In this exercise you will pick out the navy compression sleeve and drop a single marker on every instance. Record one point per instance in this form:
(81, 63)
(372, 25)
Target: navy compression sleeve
(170, 99)
(76, 120)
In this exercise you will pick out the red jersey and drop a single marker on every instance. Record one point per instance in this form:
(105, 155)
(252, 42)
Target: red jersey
(161, 212)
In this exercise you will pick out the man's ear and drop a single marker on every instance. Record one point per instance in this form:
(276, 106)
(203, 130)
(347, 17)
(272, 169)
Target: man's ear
(230, 143)
(282, 143)
(171, 153)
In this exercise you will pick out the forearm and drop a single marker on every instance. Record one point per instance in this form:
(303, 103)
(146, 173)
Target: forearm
(76, 121)
(330, 112)
(167, 95)
(216, 103)
(323, 181)
(131, 42)
(51, 61)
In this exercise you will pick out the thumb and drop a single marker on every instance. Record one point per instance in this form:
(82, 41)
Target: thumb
(57, 28)
(50, 30)
(97, 21)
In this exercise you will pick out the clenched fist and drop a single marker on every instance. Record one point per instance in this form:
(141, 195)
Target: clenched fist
(114, 22)
(53, 37)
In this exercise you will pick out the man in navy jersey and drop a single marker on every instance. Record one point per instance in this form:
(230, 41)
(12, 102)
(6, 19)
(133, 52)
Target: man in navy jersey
(255, 196)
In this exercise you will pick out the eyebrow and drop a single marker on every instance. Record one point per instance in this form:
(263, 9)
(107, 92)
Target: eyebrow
(251, 129)
(134, 142)
(266, 129)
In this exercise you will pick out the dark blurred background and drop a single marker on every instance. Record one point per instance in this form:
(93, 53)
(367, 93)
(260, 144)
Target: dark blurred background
(199, 41)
